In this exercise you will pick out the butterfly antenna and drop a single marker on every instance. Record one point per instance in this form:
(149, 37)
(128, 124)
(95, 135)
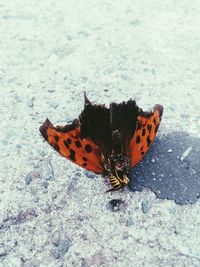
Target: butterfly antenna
(86, 100)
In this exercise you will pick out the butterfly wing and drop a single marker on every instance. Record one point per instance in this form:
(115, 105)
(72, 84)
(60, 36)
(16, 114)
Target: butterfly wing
(66, 140)
(146, 128)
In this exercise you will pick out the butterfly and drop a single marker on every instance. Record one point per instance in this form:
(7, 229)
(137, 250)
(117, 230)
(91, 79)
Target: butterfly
(108, 141)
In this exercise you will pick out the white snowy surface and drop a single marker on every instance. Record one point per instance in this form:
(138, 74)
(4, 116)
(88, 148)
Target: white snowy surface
(52, 51)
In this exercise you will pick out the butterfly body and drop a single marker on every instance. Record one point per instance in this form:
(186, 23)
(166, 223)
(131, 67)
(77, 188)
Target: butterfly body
(107, 141)
(118, 164)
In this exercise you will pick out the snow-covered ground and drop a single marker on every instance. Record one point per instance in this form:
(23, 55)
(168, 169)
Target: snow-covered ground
(53, 213)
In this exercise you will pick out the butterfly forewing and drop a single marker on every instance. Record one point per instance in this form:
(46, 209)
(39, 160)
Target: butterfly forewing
(68, 143)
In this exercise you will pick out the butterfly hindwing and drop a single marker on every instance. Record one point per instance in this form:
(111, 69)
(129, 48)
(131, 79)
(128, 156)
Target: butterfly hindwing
(146, 128)
(66, 140)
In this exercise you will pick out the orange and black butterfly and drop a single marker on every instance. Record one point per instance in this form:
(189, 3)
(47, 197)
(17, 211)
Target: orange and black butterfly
(108, 141)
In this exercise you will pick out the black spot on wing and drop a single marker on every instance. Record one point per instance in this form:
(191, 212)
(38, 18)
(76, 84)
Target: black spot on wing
(149, 127)
(84, 164)
(148, 141)
(66, 144)
(85, 159)
(72, 155)
(143, 132)
(88, 148)
(138, 139)
(78, 144)
(69, 141)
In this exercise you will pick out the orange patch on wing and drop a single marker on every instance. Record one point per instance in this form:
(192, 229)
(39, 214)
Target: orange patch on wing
(145, 133)
(82, 152)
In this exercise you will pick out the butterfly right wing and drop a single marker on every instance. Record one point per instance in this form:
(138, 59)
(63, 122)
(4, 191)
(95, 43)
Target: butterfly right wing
(146, 128)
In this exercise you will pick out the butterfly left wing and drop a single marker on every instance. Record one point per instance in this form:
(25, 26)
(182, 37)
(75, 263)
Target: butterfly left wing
(66, 140)
(146, 128)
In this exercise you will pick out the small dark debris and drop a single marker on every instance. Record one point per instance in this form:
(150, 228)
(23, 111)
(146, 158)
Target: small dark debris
(116, 204)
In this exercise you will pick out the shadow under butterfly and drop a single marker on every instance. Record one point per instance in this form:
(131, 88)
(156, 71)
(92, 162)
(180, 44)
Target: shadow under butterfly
(170, 169)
